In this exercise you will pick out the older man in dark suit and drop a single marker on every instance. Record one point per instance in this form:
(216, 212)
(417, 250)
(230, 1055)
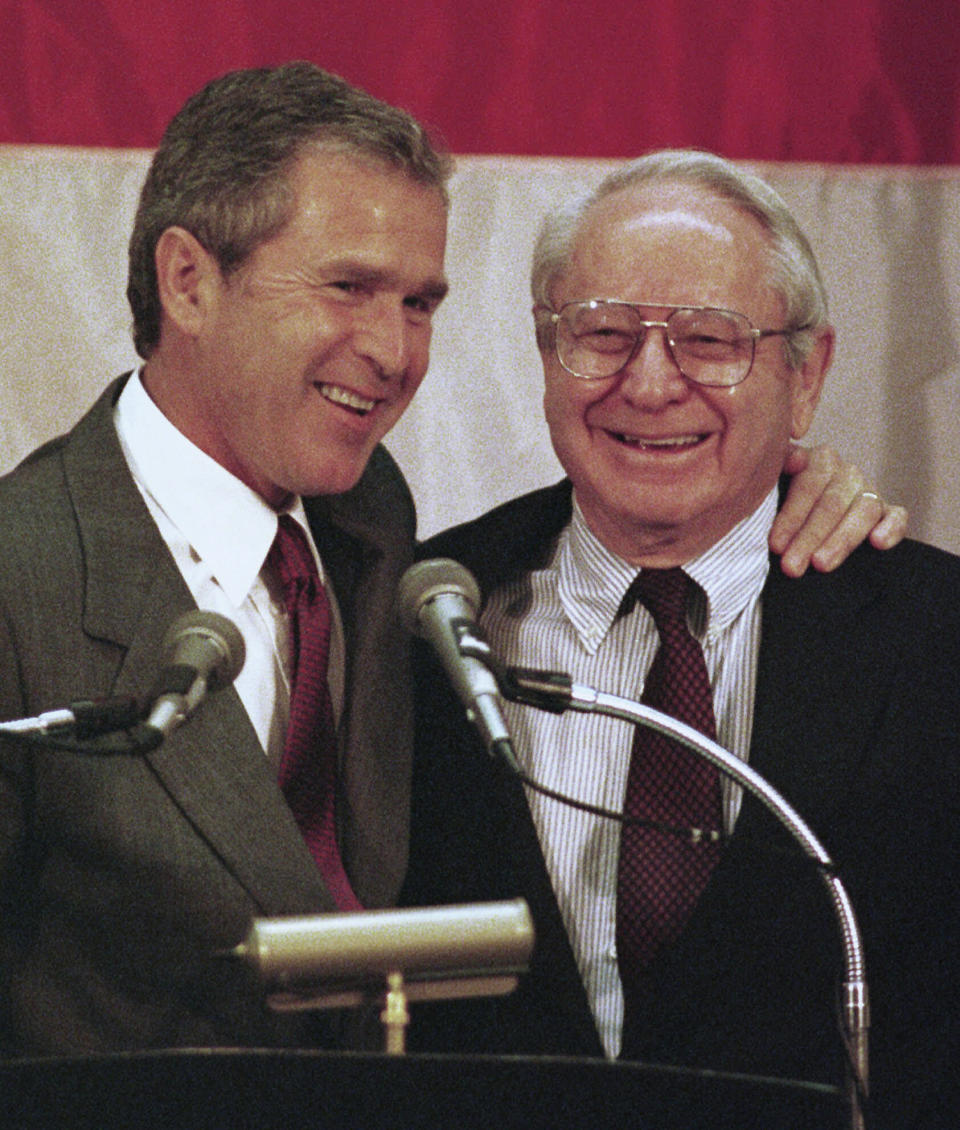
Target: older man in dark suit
(683, 330)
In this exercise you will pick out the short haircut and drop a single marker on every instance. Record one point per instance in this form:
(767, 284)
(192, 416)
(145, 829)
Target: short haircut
(222, 168)
(794, 271)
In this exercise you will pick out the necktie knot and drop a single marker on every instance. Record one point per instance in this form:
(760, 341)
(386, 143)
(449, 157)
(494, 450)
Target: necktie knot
(291, 559)
(663, 592)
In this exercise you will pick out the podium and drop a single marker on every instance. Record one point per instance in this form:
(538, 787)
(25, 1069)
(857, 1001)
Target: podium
(224, 1089)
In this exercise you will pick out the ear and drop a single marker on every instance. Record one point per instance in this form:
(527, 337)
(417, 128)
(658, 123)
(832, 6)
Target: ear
(808, 382)
(187, 276)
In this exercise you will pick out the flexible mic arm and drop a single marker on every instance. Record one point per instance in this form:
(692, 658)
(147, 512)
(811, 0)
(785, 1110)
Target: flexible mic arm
(85, 718)
(556, 692)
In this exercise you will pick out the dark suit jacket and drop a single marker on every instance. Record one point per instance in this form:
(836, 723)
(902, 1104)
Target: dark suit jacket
(122, 877)
(857, 724)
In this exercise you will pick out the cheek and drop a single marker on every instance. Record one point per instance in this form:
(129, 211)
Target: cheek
(758, 434)
(411, 386)
(562, 424)
(566, 405)
(419, 356)
(549, 404)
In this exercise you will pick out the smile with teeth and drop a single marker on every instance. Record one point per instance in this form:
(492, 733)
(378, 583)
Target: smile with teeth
(347, 399)
(666, 442)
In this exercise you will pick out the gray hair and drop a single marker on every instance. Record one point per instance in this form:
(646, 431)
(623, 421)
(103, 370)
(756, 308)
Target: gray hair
(794, 271)
(221, 170)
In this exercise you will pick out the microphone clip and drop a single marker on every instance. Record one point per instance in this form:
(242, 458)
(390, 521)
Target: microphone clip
(546, 690)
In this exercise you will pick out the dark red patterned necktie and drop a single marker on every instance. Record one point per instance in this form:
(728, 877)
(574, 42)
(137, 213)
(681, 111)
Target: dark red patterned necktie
(661, 874)
(309, 765)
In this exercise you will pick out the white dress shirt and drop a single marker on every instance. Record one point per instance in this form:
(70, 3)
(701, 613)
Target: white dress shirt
(219, 532)
(563, 618)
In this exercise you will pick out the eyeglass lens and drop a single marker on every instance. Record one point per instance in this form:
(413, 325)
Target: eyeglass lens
(711, 347)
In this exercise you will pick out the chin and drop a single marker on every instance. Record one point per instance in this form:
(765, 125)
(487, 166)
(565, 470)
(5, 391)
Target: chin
(332, 480)
(661, 508)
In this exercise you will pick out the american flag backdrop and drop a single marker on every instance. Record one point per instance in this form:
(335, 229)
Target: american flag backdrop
(852, 109)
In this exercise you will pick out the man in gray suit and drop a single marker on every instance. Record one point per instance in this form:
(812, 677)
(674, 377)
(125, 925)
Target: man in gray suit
(286, 260)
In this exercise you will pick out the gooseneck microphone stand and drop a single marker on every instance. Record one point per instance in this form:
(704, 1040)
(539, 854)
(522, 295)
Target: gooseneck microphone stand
(557, 693)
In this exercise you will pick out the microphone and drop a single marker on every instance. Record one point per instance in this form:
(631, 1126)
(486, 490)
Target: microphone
(438, 601)
(203, 653)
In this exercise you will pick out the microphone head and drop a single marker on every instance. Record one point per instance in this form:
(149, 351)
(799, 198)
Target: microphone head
(428, 579)
(208, 642)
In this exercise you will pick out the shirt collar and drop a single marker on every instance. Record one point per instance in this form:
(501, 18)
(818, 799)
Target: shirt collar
(229, 526)
(591, 580)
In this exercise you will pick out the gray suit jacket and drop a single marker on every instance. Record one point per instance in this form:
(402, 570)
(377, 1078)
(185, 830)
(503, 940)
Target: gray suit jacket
(121, 878)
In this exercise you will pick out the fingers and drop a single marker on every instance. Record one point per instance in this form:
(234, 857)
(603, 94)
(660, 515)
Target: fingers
(867, 516)
(828, 512)
(892, 527)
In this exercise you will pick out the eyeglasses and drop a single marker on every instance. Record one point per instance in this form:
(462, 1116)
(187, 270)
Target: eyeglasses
(598, 338)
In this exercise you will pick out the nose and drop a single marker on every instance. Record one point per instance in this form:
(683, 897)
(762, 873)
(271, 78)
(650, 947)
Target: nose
(383, 337)
(652, 376)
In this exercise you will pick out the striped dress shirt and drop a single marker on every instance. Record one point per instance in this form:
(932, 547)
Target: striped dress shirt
(563, 618)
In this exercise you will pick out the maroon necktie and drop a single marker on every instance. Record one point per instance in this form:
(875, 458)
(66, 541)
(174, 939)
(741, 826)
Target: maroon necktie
(661, 874)
(308, 769)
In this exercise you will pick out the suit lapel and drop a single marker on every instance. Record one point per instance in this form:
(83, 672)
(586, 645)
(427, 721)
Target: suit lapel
(821, 684)
(213, 767)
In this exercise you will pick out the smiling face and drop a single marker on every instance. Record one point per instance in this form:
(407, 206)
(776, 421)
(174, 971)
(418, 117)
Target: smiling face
(291, 369)
(663, 468)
